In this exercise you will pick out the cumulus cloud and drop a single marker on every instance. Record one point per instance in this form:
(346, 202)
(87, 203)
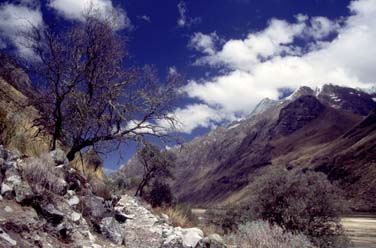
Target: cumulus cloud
(75, 10)
(284, 55)
(16, 18)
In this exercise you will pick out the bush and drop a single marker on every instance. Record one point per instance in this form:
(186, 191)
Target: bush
(42, 175)
(118, 182)
(226, 219)
(300, 202)
(160, 195)
(262, 234)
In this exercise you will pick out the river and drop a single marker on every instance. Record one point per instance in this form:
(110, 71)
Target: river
(361, 229)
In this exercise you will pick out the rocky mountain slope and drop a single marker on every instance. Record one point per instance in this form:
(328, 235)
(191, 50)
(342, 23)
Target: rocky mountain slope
(45, 203)
(324, 129)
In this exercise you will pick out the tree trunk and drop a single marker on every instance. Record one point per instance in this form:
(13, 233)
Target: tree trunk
(140, 189)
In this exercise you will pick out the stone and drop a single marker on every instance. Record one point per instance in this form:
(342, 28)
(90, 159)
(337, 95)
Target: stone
(13, 155)
(52, 214)
(73, 201)
(23, 192)
(5, 188)
(1, 161)
(7, 238)
(191, 236)
(3, 153)
(111, 229)
(212, 241)
(95, 204)
(121, 218)
(8, 209)
(59, 157)
(75, 217)
(216, 237)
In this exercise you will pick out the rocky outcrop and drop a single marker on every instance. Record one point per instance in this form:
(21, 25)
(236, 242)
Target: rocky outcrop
(298, 113)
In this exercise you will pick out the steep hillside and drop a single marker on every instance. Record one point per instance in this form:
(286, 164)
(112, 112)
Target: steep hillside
(220, 167)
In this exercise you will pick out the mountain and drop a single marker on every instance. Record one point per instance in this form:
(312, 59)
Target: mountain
(330, 129)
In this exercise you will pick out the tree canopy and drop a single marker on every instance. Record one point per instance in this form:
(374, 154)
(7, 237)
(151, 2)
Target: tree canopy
(89, 97)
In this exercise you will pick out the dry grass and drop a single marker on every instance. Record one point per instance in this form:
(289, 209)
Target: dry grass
(42, 175)
(101, 189)
(260, 234)
(179, 215)
(87, 167)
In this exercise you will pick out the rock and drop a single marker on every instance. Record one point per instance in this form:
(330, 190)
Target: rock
(95, 204)
(9, 241)
(75, 217)
(8, 209)
(52, 214)
(73, 200)
(14, 186)
(191, 236)
(6, 190)
(23, 192)
(13, 155)
(3, 153)
(1, 161)
(182, 237)
(121, 218)
(59, 157)
(216, 237)
(212, 241)
(110, 228)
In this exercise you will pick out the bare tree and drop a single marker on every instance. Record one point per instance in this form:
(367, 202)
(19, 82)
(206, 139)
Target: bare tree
(157, 165)
(89, 97)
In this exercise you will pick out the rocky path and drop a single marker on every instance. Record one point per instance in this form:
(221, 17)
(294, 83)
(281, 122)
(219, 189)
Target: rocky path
(143, 229)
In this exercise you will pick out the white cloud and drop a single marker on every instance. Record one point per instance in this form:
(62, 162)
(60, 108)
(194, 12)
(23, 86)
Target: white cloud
(204, 42)
(184, 20)
(198, 115)
(172, 71)
(75, 9)
(145, 18)
(270, 59)
(182, 8)
(15, 19)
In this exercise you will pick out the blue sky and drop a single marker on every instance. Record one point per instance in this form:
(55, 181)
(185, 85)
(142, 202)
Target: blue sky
(233, 53)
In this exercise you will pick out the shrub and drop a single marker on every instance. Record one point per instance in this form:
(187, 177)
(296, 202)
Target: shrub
(262, 234)
(227, 218)
(300, 202)
(118, 182)
(160, 195)
(42, 175)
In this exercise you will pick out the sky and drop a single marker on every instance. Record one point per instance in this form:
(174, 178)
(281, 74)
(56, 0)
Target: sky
(233, 53)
